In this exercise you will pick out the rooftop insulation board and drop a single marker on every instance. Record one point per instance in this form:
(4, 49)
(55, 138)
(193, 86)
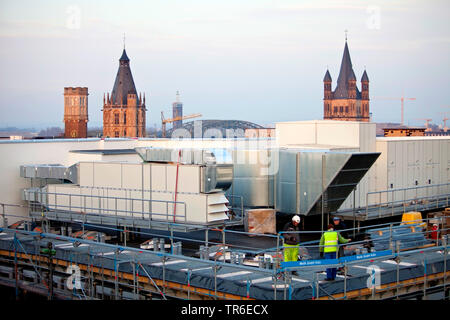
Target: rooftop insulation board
(407, 237)
(233, 280)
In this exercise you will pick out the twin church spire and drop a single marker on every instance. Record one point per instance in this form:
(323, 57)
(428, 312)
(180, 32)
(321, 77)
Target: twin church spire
(124, 111)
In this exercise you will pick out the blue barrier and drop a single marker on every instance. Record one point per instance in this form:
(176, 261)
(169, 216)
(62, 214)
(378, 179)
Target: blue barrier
(366, 256)
(309, 263)
(323, 262)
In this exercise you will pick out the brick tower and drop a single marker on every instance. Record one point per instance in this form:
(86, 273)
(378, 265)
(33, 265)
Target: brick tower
(346, 102)
(75, 112)
(123, 110)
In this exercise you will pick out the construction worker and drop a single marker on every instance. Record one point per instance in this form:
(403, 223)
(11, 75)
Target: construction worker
(339, 225)
(291, 240)
(329, 246)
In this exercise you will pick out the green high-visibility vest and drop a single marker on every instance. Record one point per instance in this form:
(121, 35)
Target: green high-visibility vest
(330, 241)
(50, 252)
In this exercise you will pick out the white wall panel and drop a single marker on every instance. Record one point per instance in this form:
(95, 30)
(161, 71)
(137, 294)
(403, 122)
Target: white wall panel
(188, 178)
(86, 174)
(158, 177)
(132, 176)
(107, 175)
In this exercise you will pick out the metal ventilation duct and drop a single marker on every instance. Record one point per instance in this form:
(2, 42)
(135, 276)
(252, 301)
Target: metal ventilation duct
(217, 167)
(252, 176)
(184, 156)
(293, 180)
(216, 178)
(306, 177)
(344, 182)
(50, 171)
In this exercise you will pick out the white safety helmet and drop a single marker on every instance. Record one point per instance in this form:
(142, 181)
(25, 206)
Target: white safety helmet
(296, 219)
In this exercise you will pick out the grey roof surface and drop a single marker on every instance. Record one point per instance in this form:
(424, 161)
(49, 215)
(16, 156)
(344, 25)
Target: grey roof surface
(345, 74)
(124, 56)
(365, 77)
(124, 83)
(327, 76)
(106, 151)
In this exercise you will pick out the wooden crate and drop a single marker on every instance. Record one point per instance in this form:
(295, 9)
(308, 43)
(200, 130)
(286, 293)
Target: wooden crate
(261, 221)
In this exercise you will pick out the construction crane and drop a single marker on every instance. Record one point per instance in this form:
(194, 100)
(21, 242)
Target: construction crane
(444, 119)
(427, 122)
(402, 99)
(445, 124)
(164, 121)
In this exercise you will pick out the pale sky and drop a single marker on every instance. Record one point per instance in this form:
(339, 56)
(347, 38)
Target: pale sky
(256, 60)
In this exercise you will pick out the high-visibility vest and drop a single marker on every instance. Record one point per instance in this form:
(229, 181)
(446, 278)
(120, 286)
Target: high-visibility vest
(330, 241)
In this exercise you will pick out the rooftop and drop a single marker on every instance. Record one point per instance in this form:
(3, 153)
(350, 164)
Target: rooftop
(105, 151)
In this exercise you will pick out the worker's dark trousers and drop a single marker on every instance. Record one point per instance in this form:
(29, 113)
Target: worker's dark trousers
(341, 251)
(331, 272)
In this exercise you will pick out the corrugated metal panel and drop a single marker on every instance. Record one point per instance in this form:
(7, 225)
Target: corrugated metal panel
(50, 171)
(286, 182)
(253, 176)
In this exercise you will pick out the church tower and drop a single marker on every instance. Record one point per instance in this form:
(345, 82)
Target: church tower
(75, 112)
(123, 110)
(346, 102)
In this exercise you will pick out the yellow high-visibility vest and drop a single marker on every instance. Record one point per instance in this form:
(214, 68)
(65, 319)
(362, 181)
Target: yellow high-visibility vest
(330, 241)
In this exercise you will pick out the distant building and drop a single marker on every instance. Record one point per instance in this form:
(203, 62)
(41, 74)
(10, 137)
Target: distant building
(398, 130)
(404, 132)
(435, 133)
(124, 111)
(382, 125)
(346, 102)
(75, 112)
(15, 137)
(177, 109)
